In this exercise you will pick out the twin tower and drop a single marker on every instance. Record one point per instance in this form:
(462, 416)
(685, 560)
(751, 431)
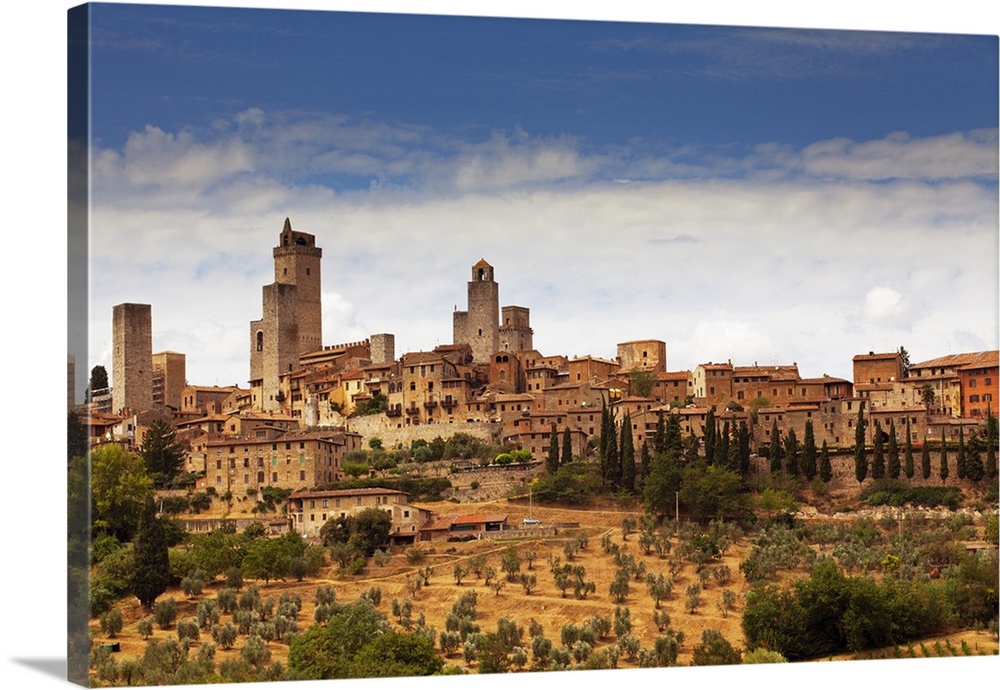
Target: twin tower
(483, 326)
(292, 320)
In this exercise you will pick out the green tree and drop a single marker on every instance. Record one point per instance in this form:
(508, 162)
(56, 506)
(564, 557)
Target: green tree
(163, 455)
(627, 453)
(328, 651)
(791, 453)
(710, 491)
(660, 435)
(974, 470)
(98, 381)
(77, 442)
(809, 452)
(943, 468)
(714, 650)
(659, 488)
(567, 447)
(860, 452)
(120, 488)
(552, 462)
(825, 469)
(395, 654)
(908, 468)
(774, 456)
(151, 562)
(641, 383)
(892, 450)
(878, 453)
(960, 456)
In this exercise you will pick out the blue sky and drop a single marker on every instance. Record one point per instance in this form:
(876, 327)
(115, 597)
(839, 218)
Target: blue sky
(755, 194)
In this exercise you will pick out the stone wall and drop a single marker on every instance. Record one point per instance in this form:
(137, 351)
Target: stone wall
(385, 428)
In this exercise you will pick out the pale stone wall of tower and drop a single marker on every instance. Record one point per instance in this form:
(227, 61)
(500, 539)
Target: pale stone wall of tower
(297, 262)
(291, 323)
(646, 355)
(169, 378)
(281, 340)
(479, 327)
(132, 357)
(515, 331)
(382, 348)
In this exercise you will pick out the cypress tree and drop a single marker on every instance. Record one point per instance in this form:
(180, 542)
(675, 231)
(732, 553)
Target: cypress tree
(791, 453)
(878, 453)
(614, 458)
(673, 440)
(645, 463)
(860, 452)
(151, 564)
(775, 450)
(627, 454)
(992, 434)
(721, 452)
(552, 463)
(809, 452)
(825, 470)
(660, 437)
(974, 464)
(567, 447)
(908, 454)
(709, 433)
(893, 451)
(925, 461)
(744, 449)
(960, 458)
(943, 470)
(690, 455)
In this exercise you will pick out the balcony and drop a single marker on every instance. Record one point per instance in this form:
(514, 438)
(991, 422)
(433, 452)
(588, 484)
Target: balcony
(394, 412)
(430, 404)
(414, 410)
(448, 403)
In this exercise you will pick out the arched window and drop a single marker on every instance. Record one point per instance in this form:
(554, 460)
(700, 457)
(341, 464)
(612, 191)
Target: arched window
(260, 341)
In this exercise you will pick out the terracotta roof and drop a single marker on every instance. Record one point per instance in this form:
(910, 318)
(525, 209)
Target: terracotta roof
(873, 356)
(482, 263)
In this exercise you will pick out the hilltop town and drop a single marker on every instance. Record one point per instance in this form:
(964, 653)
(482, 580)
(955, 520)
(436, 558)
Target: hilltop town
(325, 401)
(349, 471)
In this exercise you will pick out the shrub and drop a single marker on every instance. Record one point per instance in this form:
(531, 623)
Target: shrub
(111, 622)
(165, 612)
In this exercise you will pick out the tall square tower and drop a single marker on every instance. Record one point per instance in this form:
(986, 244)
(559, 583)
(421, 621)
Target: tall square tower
(132, 357)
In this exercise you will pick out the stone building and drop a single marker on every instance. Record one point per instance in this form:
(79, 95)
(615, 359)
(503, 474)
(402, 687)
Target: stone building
(875, 367)
(959, 385)
(515, 330)
(644, 355)
(169, 379)
(310, 510)
(479, 325)
(291, 323)
(271, 456)
(132, 358)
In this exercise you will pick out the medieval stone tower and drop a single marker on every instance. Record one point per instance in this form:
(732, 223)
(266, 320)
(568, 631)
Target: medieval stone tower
(132, 357)
(479, 327)
(291, 322)
(515, 331)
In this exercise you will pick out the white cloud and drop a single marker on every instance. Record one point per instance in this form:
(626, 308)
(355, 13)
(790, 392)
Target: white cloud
(756, 268)
(885, 306)
(951, 156)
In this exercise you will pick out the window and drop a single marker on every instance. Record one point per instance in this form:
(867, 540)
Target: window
(302, 475)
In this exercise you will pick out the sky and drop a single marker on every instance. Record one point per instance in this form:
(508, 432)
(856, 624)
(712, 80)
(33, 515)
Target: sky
(753, 194)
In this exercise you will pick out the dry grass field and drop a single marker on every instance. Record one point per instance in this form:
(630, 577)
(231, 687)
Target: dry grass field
(545, 604)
